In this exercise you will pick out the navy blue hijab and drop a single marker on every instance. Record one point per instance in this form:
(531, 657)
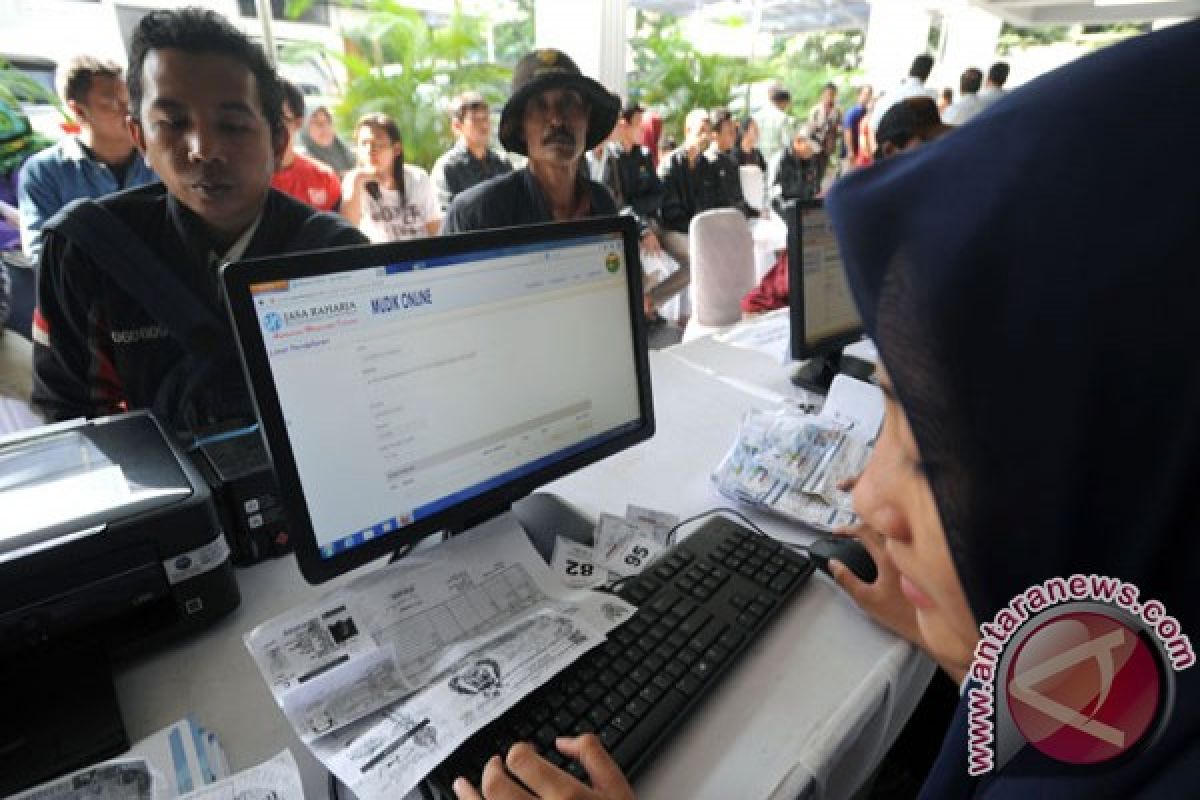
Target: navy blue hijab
(1032, 281)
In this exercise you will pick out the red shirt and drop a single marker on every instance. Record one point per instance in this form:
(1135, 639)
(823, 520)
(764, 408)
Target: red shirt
(309, 182)
(772, 291)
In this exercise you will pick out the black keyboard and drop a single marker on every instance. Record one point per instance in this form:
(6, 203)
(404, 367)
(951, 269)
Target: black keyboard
(700, 606)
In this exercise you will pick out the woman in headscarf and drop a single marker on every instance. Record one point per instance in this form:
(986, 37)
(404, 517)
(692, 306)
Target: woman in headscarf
(319, 139)
(1043, 414)
(1038, 341)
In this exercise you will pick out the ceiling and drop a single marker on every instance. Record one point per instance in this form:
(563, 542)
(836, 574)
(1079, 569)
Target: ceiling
(796, 16)
(1030, 13)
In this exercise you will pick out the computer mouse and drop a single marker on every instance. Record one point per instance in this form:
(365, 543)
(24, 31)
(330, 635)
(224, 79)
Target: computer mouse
(846, 550)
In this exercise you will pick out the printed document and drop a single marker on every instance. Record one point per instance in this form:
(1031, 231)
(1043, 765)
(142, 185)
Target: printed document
(385, 677)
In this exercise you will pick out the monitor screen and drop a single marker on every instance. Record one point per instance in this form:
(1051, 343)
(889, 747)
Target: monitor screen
(407, 383)
(823, 314)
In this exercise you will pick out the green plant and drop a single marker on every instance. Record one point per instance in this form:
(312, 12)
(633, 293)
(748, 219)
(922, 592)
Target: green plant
(397, 64)
(671, 75)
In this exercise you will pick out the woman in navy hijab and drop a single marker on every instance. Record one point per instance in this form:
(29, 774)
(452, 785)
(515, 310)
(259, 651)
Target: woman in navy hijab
(1038, 317)
(1037, 311)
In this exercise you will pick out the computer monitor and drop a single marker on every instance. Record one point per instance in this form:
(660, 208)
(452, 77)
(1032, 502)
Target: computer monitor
(421, 386)
(823, 316)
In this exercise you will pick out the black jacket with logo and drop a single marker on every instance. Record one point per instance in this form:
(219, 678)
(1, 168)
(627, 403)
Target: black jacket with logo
(712, 183)
(98, 351)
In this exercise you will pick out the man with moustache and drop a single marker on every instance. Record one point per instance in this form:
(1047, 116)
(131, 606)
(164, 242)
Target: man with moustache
(130, 313)
(554, 115)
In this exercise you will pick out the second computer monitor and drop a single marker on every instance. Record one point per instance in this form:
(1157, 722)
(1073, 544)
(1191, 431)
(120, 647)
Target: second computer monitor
(823, 315)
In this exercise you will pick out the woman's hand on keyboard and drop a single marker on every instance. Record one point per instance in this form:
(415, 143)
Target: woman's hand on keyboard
(547, 781)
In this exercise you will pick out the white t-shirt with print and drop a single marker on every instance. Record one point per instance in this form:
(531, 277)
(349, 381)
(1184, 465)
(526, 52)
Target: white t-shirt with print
(387, 220)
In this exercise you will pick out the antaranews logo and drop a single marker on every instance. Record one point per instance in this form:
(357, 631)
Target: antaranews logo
(1076, 667)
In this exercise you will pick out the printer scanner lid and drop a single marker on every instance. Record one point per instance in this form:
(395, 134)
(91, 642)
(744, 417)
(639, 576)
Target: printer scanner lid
(61, 482)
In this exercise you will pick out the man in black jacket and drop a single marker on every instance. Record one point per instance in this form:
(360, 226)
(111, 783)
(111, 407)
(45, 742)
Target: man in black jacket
(795, 175)
(206, 114)
(638, 192)
(554, 115)
(698, 177)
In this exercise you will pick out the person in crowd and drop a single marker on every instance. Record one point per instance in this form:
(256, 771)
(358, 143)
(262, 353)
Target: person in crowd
(795, 175)
(319, 139)
(852, 127)
(968, 103)
(775, 124)
(993, 87)
(652, 128)
(666, 146)
(206, 112)
(638, 192)
(945, 99)
(908, 124)
(724, 133)
(866, 137)
(912, 86)
(1023, 282)
(825, 125)
(746, 152)
(698, 177)
(553, 115)
(100, 160)
(905, 126)
(304, 178)
(18, 143)
(387, 199)
(472, 160)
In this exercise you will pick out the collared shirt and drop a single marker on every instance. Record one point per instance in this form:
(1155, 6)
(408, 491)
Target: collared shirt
(774, 130)
(511, 200)
(458, 170)
(98, 350)
(961, 110)
(630, 177)
(826, 126)
(989, 95)
(62, 173)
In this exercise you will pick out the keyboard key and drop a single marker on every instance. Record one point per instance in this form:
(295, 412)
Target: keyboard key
(739, 601)
(689, 685)
(654, 663)
(659, 718)
(747, 620)
(624, 721)
(782, 581)
(663, 603)
(544, 738)
(676, 668)
(609, 736)
(622, 666)
(756, 609)
(677, 639)
(695, 622)
(702, 670)
(578, 705)
(651, 694)
(627, 688)
(599, 716)
(562, 720)
(705, 638)
(593, 692)
(637, 707)
(614, 702)
(640, 675)
(662, 681)
(608, 677)
(716, 654)
(731, 639)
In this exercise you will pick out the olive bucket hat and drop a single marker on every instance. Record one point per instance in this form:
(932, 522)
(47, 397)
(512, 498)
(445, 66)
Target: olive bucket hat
(552, 69)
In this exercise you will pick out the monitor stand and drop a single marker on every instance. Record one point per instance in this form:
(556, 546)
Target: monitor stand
(545, 516)
(64, 708)
(817, 373)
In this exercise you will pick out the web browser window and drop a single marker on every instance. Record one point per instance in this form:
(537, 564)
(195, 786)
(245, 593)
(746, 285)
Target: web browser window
(407, 388)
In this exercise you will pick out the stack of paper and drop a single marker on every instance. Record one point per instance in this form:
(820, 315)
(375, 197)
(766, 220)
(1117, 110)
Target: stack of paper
(385, 677)
(792, 462)
(181, 761)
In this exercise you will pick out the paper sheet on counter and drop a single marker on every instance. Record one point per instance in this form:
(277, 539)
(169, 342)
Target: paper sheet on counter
(386, 676)
(277, 779)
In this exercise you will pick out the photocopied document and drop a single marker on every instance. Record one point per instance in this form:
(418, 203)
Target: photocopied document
(386, 676)
(770, 334)
(121, 779)
(792, 462)
(277, 779)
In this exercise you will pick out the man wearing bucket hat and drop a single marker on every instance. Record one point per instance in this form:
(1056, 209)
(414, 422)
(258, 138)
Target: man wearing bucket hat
(554, 115)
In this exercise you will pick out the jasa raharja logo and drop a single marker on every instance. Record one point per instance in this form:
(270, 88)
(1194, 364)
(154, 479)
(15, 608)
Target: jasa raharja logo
(276, 320)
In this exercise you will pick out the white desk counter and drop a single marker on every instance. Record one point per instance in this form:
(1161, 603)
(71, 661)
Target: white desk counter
(808, 712)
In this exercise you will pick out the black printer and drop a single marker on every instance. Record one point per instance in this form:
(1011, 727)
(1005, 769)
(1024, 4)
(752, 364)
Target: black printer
(109, 543)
